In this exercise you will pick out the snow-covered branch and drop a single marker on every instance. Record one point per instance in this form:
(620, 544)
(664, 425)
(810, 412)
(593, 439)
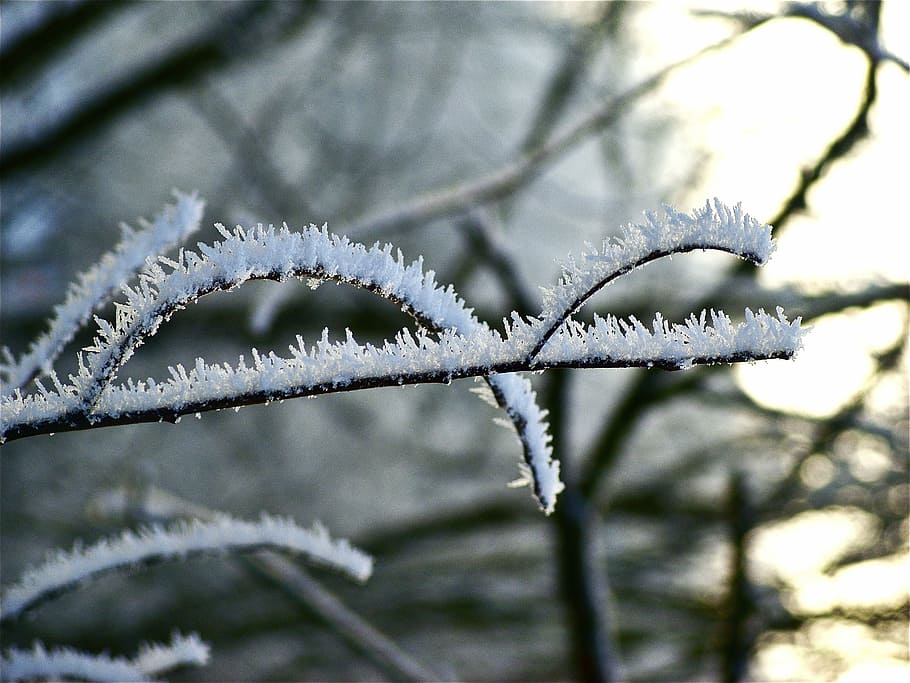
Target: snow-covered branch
(450, 343)
(267, 253)
(715, 226)
(96, 286)
(153, 503)
(67, 664)
(65, 570)
(346, 366)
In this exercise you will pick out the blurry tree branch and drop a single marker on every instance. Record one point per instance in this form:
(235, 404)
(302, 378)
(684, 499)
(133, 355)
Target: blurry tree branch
(250, 150)
(739, 632)
(504, 181)
(856, 131)
(856, 24)
(825, 431)
(595, 653)
(583, 582)
(64, 23)
(487, 247)
(213, 48)
(649, 389)
(566, 79)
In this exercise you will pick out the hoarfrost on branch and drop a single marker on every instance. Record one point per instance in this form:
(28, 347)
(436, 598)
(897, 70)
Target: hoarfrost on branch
(61, 663)
(450, 343)
(65, 570)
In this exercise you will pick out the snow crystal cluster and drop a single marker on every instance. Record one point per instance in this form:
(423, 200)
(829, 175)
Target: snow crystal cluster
(612, 342)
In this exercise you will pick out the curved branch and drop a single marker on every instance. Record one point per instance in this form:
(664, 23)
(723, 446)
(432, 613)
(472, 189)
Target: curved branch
(96, 286)
(65, 571)
(715, 226)
(65, 663)
(462, 347)
(267, 253)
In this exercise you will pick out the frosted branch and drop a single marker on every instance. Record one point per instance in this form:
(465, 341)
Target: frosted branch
(95, 286)
(715, 226)
(450, 344)
(328, 367)
(294, 580)
(258, 254)
(67, 664)
(278, 254)
(65, 570)
(155, 658)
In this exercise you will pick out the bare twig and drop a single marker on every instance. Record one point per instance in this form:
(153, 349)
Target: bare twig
(512, 176)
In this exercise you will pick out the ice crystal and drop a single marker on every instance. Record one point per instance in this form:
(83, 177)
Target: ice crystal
(714, 226)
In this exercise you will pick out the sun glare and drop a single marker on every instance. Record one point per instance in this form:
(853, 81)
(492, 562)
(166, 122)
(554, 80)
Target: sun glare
(766, 109)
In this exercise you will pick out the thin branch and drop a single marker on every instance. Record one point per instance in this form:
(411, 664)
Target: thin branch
(738, 637)
(566, 78)
(63, 24)
(65, 663)
(64, 571)
(349, 367)
(863, 32)
(715, 226)
(512, 176)
(859, 29)
(582, 579)
(487, 245)
(96, 286)
(249, 147)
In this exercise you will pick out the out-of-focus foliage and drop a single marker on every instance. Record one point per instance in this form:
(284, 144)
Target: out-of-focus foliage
(713, 524)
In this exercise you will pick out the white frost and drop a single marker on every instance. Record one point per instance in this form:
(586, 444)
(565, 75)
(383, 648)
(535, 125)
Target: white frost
(608, 342)
(95, 286)
(673, 346)
(68, 664)
(66, 569)
(714, 226)
(451, 343)
(155, 658)
(278, 254)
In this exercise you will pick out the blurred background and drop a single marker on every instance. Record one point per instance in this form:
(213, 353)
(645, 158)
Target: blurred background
(746, 523)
